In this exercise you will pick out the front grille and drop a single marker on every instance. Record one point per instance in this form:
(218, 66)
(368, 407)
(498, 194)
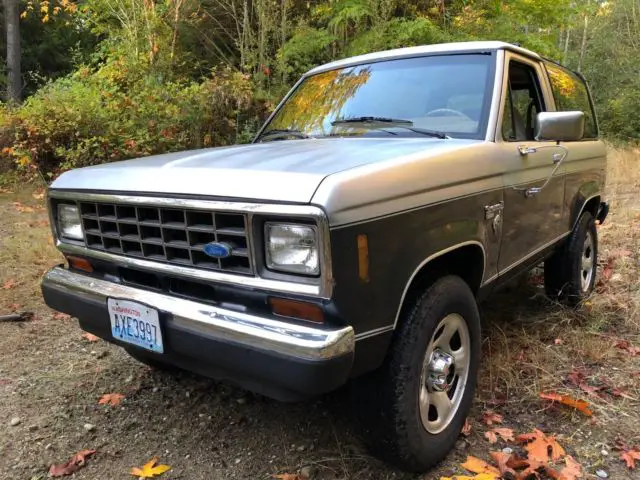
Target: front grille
(168, 235)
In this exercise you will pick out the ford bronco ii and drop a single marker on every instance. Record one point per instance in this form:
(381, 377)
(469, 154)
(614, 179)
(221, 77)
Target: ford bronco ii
(384, 197)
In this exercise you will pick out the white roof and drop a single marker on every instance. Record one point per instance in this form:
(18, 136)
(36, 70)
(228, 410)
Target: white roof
(486, 46)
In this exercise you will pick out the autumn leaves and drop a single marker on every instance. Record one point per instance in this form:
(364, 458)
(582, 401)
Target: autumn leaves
(536, 455)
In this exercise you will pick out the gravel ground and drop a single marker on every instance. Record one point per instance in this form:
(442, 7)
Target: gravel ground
(51, 379)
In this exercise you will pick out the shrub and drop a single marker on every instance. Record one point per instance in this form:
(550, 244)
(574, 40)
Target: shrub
(92, 117)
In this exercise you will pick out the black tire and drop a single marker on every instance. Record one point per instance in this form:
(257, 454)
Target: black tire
(564, 276)
(392, 421)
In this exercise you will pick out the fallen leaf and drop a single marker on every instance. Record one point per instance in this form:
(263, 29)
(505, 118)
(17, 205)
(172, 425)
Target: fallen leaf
(607, 270)
(502, 459)
(23, 208)
(630, 456)
(621, 392)
(466, 428)
(9, 284)
(90, 337)
(580, 405)
(150, 469)
(493, 434)
(476, 465)
(481, 476)
(573, 469)
(626, 345)
(542, 447)
(112, 399)
(74, 464)
(517, 463)
(61, 316)
(489, 417)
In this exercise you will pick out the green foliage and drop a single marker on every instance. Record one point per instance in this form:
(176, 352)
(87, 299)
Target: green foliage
(115, 79)
(306, 48)
(398, 33)
(87, 118)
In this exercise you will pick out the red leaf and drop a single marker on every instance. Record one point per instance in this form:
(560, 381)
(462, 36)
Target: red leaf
(607, 270)
(74, 464)
(489, 417)
(630, 457)
(493, 434)
(112, 399)
(580, 405)
(466, 429)
(502, 459)
(90, 337)
(572, 471)
(61, 316)
(9, 284)
(541, 448)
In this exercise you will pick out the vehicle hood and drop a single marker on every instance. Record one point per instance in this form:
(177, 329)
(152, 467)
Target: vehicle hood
(285, 171)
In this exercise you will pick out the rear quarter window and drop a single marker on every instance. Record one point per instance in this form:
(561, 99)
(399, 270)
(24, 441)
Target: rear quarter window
(570, 93)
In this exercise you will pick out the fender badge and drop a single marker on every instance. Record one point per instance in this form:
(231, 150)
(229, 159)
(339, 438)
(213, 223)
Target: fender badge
(218, 250)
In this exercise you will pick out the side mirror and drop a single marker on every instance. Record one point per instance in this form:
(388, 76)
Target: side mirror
(560, 126)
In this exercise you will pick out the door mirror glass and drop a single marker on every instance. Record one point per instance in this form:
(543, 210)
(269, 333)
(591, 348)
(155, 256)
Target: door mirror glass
(560, 126)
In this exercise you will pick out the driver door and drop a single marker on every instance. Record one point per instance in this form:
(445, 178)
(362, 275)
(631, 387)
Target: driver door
(531, 221)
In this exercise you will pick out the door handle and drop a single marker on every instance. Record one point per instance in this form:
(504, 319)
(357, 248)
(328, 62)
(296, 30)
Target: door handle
(558, 158)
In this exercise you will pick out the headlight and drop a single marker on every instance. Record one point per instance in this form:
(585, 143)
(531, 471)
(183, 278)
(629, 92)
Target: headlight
(69, 222)
(292, 248)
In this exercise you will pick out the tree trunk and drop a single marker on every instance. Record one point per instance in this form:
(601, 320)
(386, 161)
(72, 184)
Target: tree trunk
(583, 48)
(12, 27)
(566, 46)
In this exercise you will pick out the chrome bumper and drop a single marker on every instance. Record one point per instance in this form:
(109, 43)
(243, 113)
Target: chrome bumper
(303, 342)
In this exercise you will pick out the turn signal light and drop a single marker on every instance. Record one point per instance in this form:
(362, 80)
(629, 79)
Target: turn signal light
(296, 309)
(80, 264)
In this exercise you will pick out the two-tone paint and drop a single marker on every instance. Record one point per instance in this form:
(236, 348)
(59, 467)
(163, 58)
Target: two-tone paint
(425, 205)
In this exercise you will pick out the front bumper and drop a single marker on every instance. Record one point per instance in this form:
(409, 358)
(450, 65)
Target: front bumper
(282, 360)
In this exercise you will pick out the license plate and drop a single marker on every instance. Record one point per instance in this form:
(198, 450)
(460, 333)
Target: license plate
(135, 323)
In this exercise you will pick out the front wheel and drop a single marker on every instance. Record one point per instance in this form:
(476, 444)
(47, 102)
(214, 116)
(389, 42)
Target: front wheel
(422, 394)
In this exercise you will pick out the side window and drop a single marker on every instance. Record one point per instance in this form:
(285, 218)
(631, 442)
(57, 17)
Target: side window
(524, 102)
(570, 93)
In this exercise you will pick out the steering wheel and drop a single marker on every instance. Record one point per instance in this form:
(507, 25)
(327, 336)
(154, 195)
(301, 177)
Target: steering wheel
(451, 111)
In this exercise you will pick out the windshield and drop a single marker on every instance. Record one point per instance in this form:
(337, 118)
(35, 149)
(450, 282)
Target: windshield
(446, 94)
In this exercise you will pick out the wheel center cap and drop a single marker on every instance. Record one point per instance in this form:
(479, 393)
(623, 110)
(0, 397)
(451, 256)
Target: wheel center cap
(442, 367)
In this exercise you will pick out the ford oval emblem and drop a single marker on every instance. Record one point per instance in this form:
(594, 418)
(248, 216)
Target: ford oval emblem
(218, 250)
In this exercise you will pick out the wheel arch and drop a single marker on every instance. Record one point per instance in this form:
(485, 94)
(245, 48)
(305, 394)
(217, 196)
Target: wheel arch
(466, 260)
(589, 204)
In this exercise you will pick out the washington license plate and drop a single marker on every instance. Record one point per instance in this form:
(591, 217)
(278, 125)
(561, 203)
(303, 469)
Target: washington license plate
(136, 324)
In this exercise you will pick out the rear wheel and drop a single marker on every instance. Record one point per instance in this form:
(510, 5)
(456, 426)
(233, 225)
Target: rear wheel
(570, 274)
(419, 399)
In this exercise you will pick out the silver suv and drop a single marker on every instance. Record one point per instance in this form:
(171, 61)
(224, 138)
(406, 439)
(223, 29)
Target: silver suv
(385, 195)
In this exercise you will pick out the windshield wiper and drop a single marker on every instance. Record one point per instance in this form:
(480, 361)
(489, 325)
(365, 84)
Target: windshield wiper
(283, 132)
(371, 120)
(396, 122)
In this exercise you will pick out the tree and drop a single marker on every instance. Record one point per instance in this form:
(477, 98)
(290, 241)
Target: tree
(12, 28)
